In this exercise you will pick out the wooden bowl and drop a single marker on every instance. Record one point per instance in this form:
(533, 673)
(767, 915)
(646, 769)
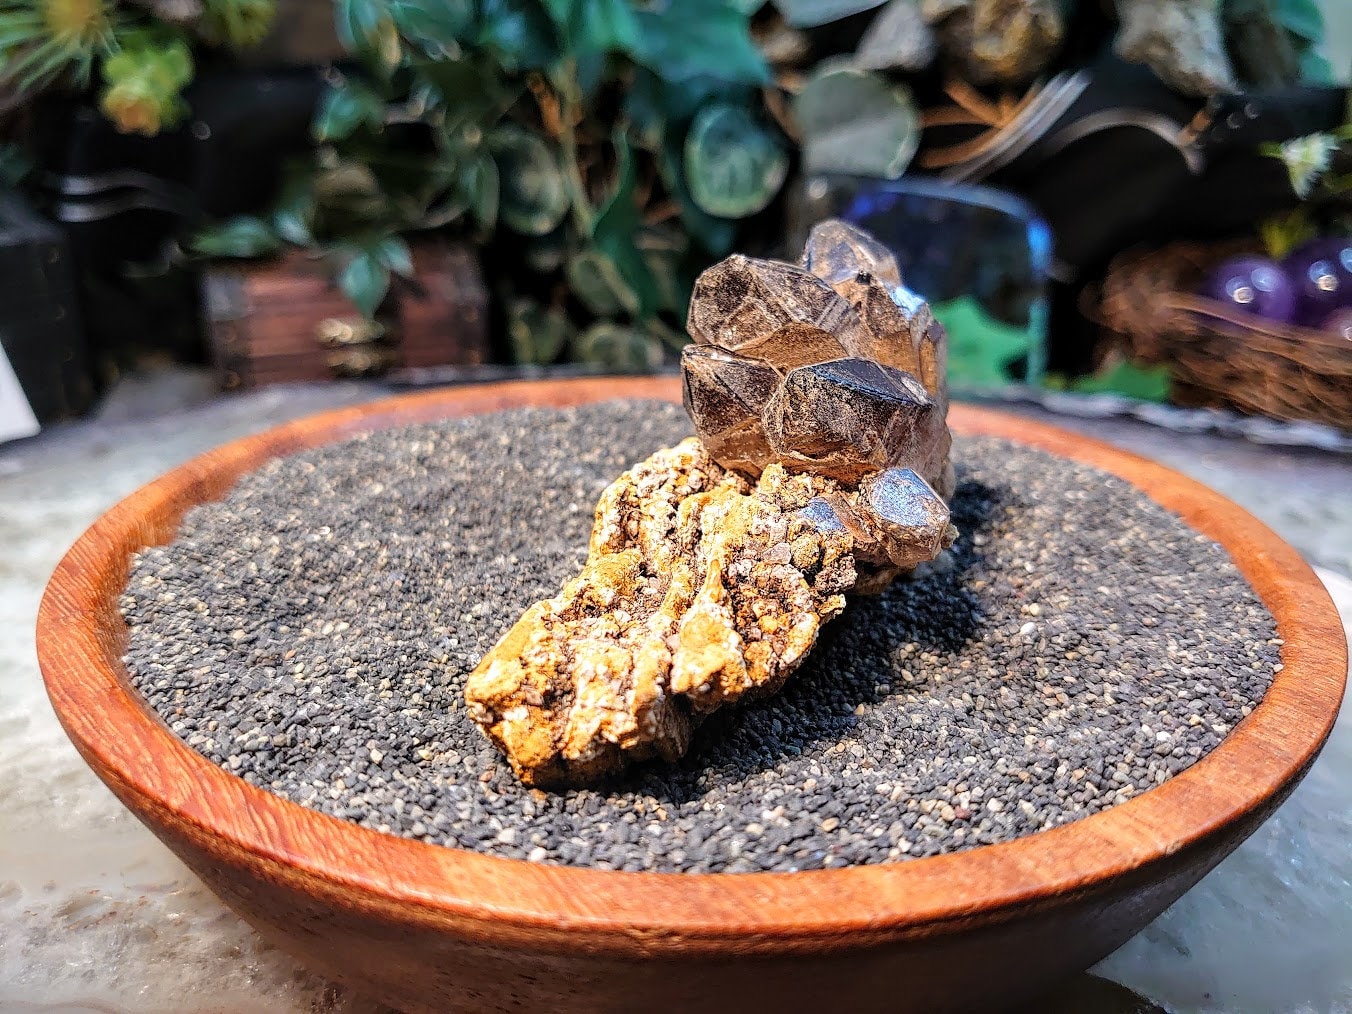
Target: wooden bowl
(423, 927)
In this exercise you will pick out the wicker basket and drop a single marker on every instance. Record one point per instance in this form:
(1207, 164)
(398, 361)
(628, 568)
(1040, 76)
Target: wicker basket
(1217, 356)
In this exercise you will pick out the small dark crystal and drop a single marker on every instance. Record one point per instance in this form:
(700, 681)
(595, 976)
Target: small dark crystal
(846, 418)
(906, 516)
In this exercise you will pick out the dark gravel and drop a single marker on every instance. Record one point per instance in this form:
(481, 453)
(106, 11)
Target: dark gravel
(311, 633)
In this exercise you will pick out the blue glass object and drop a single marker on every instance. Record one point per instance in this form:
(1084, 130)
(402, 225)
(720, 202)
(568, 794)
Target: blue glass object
(982, 257)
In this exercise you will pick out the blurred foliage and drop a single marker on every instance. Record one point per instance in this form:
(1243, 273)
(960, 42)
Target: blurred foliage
(983, 352)
(599, 152)
(1144, 383)
(1274, 42)
(1319, 168)
(139, 50)
(606, 150)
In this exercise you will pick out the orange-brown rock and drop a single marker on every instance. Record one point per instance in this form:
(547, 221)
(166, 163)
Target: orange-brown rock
(700, 589)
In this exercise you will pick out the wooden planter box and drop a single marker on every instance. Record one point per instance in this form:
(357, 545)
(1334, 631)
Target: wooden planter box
(286, 321)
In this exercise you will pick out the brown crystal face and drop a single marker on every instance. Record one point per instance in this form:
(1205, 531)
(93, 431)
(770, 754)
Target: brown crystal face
(740, 303)
(857, 360)
(846, 418)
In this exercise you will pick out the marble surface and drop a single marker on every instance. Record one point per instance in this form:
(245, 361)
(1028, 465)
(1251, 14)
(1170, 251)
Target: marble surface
(95, 915)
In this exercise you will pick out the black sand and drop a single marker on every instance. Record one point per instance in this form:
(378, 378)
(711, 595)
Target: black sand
(311, 633)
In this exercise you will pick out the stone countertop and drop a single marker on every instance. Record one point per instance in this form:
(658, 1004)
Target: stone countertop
(96, 915)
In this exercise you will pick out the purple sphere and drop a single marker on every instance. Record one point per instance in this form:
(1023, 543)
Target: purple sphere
(1253, 285)
(1339, 323)
(1321, 271)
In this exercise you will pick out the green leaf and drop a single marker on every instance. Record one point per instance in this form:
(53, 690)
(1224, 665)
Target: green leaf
(981, 349)
(811, 13)
(538, 335)
(1144, 384)
(679, 101)
(706, 38)
(596, 281)
(15, 165)
(1315, 70)
(433, 24)
(619, 347)
(393, 252)
(715, 235)
(345, 108)
(673, 284)
(590, 27)
(616, 230)
(482, 188)
(734, 167)
(854, 121)
(1283, 232)
(646, 109)
(1300, 17)
(472, 90)
(603, 26)
(559, 11)
(533, 198)
(358, 23)
(244, 236)
(294, 212)
(365, 281)
(665, 334)
(518, 33)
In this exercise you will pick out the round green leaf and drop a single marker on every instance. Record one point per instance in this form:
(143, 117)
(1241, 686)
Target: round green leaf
(854, 121)
(538, 335)
(619, 347)
(532, 198)
(733, 165)
(597, 282)
(480, 182)
(393, 253)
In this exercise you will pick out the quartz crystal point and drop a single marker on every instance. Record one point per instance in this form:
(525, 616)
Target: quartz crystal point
(821, 467)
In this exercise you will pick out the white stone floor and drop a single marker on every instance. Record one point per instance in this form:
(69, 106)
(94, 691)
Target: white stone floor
(95, 915)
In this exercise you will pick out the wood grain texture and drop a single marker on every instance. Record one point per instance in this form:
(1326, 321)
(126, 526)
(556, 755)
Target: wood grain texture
(428, 928)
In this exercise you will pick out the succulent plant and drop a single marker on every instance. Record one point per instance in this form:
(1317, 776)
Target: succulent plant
(142, 51)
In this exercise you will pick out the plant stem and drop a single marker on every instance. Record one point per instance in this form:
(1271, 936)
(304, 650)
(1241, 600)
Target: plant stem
(570, 101)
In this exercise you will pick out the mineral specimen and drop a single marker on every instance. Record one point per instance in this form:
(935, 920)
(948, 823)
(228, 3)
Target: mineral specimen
(699, 589)
(821, 467)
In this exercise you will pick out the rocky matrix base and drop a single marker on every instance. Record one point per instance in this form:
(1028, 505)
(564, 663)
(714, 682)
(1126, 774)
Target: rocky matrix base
(312, 633)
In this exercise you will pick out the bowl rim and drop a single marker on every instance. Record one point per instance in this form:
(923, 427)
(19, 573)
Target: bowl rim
(80, 639)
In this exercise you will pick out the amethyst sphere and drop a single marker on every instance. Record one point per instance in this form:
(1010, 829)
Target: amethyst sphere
(1321, 271)
(1253, 285)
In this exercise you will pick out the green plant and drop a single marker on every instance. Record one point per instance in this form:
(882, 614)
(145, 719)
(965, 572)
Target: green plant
(605, 150)
(142, 60)
(1319, 167)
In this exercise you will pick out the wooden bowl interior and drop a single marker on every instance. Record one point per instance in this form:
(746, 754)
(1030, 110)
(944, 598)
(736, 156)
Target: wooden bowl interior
(207, 812)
